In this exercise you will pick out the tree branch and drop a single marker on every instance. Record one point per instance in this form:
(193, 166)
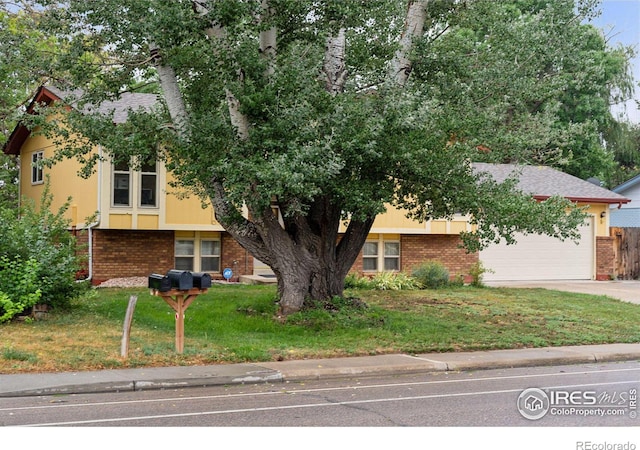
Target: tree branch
(334, 66)
(414, 28)
(172, 93)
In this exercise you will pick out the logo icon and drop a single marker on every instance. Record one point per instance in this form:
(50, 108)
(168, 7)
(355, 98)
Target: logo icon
(533, 403)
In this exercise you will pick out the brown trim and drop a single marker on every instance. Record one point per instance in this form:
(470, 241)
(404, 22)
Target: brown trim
(20, 133)
(610, 201)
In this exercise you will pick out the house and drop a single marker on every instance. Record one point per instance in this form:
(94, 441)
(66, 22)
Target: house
(140, 225)
(629, 214)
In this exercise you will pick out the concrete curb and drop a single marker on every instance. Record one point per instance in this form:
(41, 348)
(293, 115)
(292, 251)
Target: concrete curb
(312, 369)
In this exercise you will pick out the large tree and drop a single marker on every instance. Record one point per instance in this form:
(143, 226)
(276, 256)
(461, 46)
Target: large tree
(25, 64)
(326, 112)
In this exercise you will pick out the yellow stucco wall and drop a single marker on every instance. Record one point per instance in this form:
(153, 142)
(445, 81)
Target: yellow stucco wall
(64, 182)
(186, 213)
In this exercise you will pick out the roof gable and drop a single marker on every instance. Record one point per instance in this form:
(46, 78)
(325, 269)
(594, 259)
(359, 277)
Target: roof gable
(543, 182)
(49, 94)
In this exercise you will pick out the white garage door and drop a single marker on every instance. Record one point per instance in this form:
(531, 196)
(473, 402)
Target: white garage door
(536, 257)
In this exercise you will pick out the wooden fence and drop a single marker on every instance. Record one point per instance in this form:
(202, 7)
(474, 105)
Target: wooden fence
(626, 249)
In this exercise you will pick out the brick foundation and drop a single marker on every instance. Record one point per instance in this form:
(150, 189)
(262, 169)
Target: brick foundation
(416, 249)
(235, 257)
(138, 253)
(131, 253)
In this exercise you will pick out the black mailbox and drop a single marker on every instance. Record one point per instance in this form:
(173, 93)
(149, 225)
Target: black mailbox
(180, 279)
(201, 280)
(159, 282)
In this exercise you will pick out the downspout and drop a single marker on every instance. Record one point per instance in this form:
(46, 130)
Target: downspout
(94, 224)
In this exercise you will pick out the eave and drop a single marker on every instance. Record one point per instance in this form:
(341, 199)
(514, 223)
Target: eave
(20, 133)
(589, 200)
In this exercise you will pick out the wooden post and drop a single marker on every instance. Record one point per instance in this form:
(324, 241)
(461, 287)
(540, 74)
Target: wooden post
(126, 332)
(179, 301)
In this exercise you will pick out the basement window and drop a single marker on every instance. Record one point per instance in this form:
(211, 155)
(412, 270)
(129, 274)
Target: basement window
(197, 255)
(184, 254)
(375, 260)
(210, 256)
(370, 257)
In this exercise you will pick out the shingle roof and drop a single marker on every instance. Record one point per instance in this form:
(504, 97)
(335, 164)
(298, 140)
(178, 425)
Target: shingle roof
(120, 107)
(543, 182)
(627, 184)
(48, 94)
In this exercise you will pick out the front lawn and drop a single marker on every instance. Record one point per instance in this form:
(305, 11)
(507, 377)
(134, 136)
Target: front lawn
(237, 323)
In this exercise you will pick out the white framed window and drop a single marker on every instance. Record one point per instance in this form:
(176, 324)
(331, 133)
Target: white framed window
(370, 257)
(380, 256)
(197, 254)
(149, 185)
(209, 256)
(121, 185)
(184, 254)
(36, 167)
(392, 256)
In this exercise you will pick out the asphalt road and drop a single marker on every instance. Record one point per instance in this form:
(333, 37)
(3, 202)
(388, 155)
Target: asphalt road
(589, 395)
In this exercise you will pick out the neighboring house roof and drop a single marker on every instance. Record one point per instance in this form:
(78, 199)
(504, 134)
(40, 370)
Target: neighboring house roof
(543, 182)
(625, 217)
(627, 184)
(48, 94)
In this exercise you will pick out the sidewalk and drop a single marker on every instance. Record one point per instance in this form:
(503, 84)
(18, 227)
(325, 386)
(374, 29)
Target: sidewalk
(312, 369)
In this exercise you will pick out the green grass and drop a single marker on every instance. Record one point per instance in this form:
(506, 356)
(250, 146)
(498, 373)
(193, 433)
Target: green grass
(238, 323)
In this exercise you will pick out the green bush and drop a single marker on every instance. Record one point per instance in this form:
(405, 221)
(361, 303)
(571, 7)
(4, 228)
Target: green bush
(353, 281)
(477, 272)
(431, 275)
(393, 281)
(18, 287)
(36, 233)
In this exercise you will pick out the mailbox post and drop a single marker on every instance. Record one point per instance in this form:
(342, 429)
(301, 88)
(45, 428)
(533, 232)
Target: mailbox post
(179, 296)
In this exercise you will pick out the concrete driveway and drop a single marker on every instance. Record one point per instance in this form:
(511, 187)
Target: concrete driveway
(626, 290)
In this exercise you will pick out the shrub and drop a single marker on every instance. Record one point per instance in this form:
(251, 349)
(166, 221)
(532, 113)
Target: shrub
(393, 281)
(18, 287)
(431, 275)
(38, 234)
(353, 281)
(477, 272)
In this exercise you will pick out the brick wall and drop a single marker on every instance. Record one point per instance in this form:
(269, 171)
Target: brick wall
(605, 258)
(416, 249)
(131, 253)
(235, 257)
(137, 253)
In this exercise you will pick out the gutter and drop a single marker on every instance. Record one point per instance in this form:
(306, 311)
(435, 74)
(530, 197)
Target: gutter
(610, 201)
(92, 225)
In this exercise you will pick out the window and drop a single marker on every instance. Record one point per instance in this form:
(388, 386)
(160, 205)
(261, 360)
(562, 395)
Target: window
(184, 254)
(210, 256)
(148, 185)
(370, 256)
(392, 256)
(373, 260)
(121, 184)
(36, 168)
(199, 255)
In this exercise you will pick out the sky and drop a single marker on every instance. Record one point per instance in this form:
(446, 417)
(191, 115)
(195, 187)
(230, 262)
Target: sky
(620, 22)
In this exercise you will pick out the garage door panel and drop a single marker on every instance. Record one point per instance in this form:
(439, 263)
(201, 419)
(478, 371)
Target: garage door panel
(536, 257)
